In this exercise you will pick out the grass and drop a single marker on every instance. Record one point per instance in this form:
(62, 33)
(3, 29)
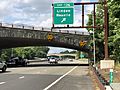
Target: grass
(116, 74)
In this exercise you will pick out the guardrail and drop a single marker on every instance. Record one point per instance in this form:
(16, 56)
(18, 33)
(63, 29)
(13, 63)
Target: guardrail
(22, 26)
(99, 79)
(104, 82)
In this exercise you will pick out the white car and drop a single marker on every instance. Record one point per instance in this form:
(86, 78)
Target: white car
(3, 66)
(53, 60)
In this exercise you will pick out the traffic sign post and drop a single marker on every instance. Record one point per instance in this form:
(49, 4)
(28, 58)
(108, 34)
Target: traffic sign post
(63, 13)
(111, 76)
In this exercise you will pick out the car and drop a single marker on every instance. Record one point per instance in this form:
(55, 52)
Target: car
(71, 60)
(53, 60)
(3, 66)
(17, 61)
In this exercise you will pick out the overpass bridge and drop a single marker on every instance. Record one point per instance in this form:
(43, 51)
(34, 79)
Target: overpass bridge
(61, 55)
(20, 36)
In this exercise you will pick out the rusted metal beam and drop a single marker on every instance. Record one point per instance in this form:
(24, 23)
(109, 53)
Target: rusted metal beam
(82, 15)
(77, 27)
(94, 15)
(87, 3)
(80, 3)
(52, 16)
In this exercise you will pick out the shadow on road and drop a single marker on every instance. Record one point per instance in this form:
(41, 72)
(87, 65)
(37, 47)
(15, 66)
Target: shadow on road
(5, 71)
(38, 65)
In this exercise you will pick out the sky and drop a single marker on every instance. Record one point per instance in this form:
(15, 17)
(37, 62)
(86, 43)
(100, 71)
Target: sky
(36, 13)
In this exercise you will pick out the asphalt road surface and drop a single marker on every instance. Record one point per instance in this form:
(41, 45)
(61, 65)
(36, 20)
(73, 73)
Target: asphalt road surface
(46, 78)
(61, 62)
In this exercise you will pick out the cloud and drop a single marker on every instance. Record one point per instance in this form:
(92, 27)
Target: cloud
(40, 6)
(85, 0)
(5, 7)
(57, 50)
(46, 23)
(33, 12)
(64, 0)
(24, 9)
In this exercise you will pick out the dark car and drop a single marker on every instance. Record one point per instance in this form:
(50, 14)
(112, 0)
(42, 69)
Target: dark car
(16, 61)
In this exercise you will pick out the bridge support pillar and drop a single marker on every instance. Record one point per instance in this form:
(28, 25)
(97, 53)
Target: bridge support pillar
(77, 55)
(0, 52)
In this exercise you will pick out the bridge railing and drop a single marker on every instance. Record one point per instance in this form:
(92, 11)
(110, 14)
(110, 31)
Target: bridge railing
(22, 26)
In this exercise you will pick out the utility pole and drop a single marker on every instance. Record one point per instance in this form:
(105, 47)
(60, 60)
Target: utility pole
(106, 29)
(106, 63)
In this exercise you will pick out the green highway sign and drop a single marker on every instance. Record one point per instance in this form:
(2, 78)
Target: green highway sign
(81, 55)
(63, 4)
(63, 13)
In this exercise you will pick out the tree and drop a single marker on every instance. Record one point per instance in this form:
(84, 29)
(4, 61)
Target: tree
(114, 38)
(25, 52)
(65, 52)
(114, 30)
(99, 34)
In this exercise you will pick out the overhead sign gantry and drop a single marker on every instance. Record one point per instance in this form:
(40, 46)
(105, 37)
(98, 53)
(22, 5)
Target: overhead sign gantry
(61, 19)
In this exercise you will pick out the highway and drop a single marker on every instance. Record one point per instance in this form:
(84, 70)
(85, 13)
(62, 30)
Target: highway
(46, 78)
(60, 62)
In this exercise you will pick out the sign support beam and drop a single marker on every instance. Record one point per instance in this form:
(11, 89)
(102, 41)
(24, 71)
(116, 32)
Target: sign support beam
(105, 30)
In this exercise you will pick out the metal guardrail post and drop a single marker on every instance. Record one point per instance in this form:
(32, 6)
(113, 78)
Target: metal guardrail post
(96, 74)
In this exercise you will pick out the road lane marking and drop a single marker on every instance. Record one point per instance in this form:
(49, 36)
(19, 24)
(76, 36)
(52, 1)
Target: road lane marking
(59, 78)
(2, 83)
(108, 87)
(21, 77)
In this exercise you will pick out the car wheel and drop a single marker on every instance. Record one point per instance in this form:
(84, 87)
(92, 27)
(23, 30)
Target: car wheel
(4, 69)
(24, 64)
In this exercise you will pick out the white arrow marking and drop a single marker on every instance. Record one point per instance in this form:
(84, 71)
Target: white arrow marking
(64, 19)
(21, 77)
(2, 83)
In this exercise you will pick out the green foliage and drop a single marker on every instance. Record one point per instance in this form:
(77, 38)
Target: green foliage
(114, 30)
(25, 52)
(68, 52)
(5, 54)
(41, 51)
(64, 52)
(73, 52)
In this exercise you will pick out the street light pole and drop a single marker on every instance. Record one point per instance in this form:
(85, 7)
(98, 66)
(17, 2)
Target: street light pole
(94, 40)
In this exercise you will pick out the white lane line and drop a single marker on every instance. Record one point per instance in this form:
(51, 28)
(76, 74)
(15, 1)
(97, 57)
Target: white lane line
(108, 87)
(21, 77)
(2, 83)
(59, 78)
